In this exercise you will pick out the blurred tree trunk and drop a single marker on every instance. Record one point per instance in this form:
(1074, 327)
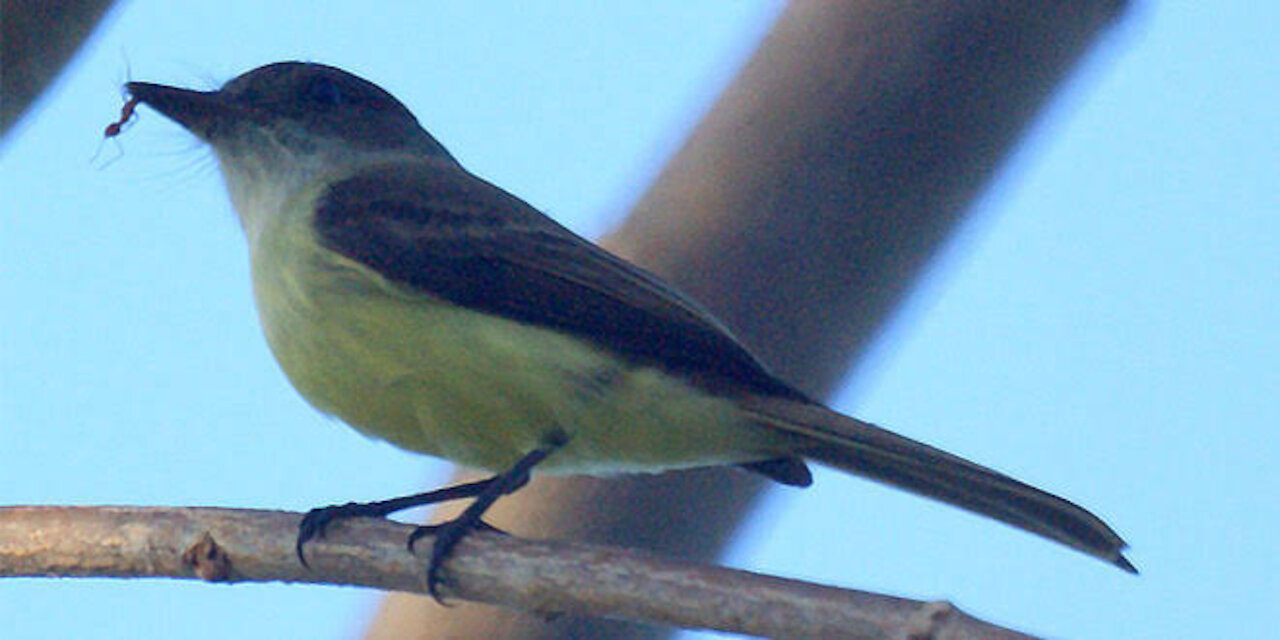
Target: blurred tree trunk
(801, 211)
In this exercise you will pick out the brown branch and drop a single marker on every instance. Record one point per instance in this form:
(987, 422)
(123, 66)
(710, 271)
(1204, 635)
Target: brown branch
(241, 545)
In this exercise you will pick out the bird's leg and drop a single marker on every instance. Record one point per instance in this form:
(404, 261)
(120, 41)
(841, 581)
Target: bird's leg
(449, 534)
(313, 524)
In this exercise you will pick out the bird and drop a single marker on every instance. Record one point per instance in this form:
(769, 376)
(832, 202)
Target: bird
(427, 307)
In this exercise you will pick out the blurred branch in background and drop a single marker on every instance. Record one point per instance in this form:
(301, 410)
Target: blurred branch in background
(37, 39)
(802, 210)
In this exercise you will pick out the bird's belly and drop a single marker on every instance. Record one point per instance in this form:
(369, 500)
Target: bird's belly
(483, 390)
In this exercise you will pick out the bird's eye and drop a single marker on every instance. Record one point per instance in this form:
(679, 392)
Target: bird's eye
(324, 91)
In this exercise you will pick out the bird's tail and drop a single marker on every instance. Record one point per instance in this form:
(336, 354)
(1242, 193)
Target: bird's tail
(865, 449)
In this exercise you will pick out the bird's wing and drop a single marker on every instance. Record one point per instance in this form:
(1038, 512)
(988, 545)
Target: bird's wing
(440, 230)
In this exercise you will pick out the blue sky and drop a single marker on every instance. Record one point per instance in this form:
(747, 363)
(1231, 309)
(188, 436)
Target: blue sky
(1104, 327)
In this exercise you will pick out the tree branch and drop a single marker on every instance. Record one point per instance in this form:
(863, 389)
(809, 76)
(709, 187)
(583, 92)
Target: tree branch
(241, 545)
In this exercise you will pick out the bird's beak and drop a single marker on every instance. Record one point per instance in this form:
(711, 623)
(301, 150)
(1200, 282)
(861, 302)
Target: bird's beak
(200, 112)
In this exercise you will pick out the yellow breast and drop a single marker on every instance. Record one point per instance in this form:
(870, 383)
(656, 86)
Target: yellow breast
(478, 389)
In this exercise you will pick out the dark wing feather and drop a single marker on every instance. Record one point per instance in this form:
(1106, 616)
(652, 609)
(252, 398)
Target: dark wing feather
(440, 230)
